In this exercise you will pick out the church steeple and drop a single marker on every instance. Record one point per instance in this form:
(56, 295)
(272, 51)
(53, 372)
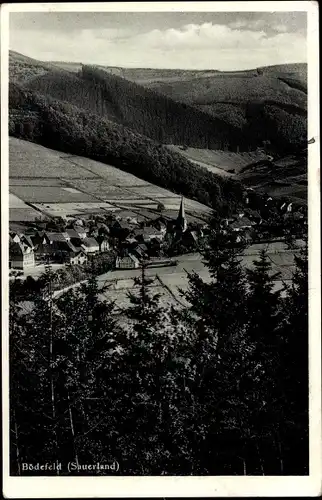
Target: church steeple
(181, 220)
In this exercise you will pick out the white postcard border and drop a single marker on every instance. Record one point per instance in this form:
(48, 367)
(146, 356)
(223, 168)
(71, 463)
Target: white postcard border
(208, 486)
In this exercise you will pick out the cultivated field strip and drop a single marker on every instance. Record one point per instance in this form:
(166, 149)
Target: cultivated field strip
(43, 194)
(57, 184)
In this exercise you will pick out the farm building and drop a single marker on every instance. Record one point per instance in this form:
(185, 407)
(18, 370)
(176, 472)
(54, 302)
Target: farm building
(90, 245)
(127, 262)
(21, 256)
(160, 224)
(128, 216)
(78, 257)
(241, 223)
(147, 234)
(74, 234)
(253, 215)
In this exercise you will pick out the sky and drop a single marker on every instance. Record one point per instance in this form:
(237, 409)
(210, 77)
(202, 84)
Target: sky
(183, 40)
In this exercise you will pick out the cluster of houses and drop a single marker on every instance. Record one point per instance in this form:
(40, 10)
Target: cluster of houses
(132, 241)
(71, 246)
(148, 242)
(129, 238)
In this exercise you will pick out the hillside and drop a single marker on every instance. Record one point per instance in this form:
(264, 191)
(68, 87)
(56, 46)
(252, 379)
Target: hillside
(23, 68)
(144, 111)
(63, 127)
(280, 178)
(266, 104)
(202, 109)
(44, 183)
(284, 177)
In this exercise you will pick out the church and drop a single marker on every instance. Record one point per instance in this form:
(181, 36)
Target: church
(181, 222)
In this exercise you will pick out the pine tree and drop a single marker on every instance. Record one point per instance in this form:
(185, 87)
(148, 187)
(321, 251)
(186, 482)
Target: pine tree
(154, 382)
(295, 373)
(264, 308)
(32, 357)
(85, 350)
(263, 303)
(218, 315)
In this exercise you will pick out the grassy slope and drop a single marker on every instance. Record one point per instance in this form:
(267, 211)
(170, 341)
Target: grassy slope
(46, 172)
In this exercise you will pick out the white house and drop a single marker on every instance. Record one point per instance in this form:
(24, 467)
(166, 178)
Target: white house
(21, 256)
(90, 245)
(127, 262)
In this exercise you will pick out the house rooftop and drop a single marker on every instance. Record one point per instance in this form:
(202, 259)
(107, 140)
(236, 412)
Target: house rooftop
(141, 250)
(148, 231)
(252, 213)
(72, 233)
(133, 258)
(27, 239)
(55, 236)
(90, 242)
(241, 222)
(67, 246)
(123, 225)
(17, 248)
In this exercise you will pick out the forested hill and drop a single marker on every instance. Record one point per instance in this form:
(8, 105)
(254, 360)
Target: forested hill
(143, 110)
(64, 127)
(204, 109)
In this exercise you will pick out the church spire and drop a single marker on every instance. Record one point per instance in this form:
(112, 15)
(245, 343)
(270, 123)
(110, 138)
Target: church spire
(181, 220)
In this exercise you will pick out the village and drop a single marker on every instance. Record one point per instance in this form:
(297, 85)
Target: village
(126, 240)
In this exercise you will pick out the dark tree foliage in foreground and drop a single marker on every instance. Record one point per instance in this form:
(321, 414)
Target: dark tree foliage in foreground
(220, 388)
(61, 126)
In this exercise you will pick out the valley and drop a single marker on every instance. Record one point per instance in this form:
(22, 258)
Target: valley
(65, 176)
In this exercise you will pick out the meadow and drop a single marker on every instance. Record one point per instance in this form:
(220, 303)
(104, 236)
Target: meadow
(220, 162)
(50, 194)
(57, 184)
(27, 159)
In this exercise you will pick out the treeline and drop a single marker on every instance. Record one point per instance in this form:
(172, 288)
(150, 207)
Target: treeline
(61, 126)
(220, 388)
(69, 87)
(144, 111)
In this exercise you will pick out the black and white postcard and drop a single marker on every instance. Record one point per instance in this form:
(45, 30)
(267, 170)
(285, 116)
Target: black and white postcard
(160, 249)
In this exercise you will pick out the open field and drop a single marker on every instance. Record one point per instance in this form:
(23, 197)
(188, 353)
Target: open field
(48, 194)
(172, 279)
(24, 214)
(35, 181)
(97, 169)
(103, 189)
(119, 291)
(58, 185)
(219, 162)
(65, 209)
(151, 191)
(27, 159)
(285, 177)
(296, 193)
(15, 202)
